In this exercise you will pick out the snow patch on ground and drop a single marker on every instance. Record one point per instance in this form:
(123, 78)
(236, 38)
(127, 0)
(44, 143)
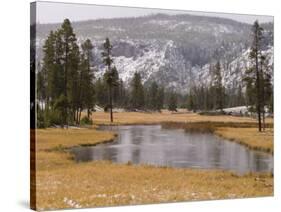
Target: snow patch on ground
(71, 203)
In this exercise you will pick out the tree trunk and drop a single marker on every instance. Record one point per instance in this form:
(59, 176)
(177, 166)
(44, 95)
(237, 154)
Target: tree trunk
(110, 103)
(258, 85)
(88, 113)
(262, 95)
(79, 117)
(74, 116)
(263, 120)
(65, 87)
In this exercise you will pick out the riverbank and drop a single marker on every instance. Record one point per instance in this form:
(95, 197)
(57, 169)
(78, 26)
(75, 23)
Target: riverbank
(244, 133)
(249, 137)
(63, 183)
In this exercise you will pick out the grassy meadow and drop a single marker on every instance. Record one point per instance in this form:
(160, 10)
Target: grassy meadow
(166, 116)
(63, 183)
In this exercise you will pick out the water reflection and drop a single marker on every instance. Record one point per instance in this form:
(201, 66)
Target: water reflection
(170, 147)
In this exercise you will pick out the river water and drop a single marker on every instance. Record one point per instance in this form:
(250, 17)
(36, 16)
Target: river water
(154, 145)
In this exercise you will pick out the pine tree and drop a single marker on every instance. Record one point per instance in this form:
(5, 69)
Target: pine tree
(51, 76)
(153, 96)
(254, 76)
(60, 67)
(41, 86)
(122, 95)
(41, 97)
(206, 99)
(109, 75)
(160, 98)
(86, 90)
(111, 79)
(201, 93)
(101, 94)
(66, 79)
(172, 103)
(137, 92)
(71, 60)
(240, 97)
(250, 90)
(268, 87)
(219, 90)
(56, 71)
(190, 104)
(48, 68)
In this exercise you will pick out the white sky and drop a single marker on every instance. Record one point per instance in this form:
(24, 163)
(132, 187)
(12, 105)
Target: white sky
(55, 12)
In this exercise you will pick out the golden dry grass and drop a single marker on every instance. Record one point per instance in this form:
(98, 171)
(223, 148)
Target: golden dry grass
(51, 145)
(165, 116)
(63, 183)
(106, 184)
(59, 138)
(249, 137)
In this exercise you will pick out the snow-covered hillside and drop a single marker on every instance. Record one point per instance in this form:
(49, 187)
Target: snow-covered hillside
(176, 51)
(159, 61)
(232, 71)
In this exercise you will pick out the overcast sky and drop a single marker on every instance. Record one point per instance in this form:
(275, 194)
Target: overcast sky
(54, 12)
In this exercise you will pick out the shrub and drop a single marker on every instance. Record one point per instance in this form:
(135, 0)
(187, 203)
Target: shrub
(86, 121)
(55, 117)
